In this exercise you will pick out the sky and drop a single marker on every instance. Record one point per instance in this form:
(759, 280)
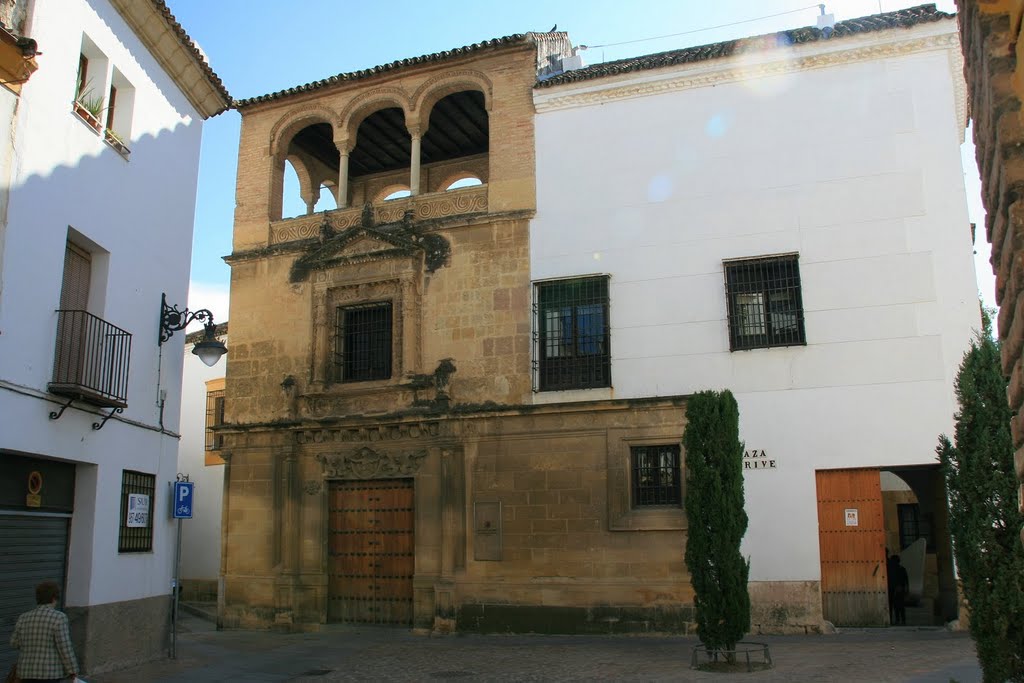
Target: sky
(261, 46)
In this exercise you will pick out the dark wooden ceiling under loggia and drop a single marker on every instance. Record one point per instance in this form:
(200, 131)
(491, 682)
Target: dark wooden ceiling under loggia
(458, 128)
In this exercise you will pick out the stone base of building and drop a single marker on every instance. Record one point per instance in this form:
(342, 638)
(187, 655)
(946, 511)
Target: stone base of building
(118, 635)
(198, 590)
(776, 608)
(785, 607)
(608, 619)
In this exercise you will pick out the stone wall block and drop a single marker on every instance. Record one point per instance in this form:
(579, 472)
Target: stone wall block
(989, 33)
(1015, 389)
(1014, 339)
(1018, 463)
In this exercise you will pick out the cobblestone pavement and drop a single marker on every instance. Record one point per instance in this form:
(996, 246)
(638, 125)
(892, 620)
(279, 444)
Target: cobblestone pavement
(205, 655)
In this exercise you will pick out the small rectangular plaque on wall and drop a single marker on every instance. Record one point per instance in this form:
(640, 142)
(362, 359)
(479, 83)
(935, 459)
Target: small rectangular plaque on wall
(487, 531)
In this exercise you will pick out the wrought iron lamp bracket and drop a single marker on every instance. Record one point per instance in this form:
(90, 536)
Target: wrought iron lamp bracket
(172, 320)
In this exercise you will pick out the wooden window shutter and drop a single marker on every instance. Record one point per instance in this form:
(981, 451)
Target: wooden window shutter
(110, 107)
(74, 292)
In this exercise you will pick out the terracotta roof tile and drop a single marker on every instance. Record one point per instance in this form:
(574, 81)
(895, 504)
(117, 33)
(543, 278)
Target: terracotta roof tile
(190, 44)
(516, 39)
(904, 18)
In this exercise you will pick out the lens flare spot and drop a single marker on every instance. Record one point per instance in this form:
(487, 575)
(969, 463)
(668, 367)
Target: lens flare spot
(716, 126)
(659, 189)
(597, 256)
(750, 69)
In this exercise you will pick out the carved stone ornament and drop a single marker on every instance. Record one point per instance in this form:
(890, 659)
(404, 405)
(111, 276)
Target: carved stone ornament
(366, 463)
(312, 487)
(359, 244)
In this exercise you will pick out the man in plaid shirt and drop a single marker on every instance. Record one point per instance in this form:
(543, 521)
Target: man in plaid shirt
(44, 641)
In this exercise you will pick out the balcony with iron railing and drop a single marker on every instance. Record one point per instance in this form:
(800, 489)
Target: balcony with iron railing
(91, 360)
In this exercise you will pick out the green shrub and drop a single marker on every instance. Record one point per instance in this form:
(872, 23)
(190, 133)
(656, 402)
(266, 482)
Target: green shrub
(984, 519)
(717, 520)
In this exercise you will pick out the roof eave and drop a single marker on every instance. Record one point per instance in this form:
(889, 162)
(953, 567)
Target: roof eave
(167, 41)
(387, 70)
(630, 67)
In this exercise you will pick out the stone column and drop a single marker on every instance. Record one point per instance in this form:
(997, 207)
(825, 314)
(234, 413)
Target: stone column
(290, 529)
(414, 169)
(225, 511)
(310, 201)
(344, 147)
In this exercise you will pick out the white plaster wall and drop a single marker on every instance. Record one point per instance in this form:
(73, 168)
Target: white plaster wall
(200, 557)
(8, 105)
(140, 212)
(856, 167)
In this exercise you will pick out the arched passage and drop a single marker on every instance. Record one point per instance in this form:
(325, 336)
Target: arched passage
(382, 154)
(310, 151)
(457, 140)
(917, 529)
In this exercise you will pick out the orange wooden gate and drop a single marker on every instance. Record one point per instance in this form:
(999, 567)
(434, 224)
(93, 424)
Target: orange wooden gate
(851, 535)
(371, 557)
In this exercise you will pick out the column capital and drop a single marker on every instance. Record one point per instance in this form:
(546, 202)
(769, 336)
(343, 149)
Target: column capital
(344, 145)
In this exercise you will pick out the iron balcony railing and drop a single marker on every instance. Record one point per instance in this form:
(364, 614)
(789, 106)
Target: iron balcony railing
(91, 359)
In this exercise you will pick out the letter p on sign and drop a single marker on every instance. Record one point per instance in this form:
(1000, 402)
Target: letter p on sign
(182, 502)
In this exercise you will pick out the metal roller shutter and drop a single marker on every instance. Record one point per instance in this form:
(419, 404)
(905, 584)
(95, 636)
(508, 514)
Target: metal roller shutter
(33, 549)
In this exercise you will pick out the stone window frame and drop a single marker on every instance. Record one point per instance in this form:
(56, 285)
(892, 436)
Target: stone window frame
(344, 345)
(661, 490)
(622, 516)
(329, 297)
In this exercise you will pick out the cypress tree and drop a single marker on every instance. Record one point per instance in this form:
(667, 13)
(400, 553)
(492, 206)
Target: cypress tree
(984, 518)
(717, 520)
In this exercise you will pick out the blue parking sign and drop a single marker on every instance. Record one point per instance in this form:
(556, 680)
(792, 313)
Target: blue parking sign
(182, 504)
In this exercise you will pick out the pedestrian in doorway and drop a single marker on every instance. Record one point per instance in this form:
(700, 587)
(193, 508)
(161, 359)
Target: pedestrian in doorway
(890, 575)
(899, 587)
(43, 640)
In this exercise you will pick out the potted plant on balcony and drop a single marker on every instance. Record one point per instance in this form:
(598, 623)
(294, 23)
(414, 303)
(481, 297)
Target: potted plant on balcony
(116, 141)
(88, 105)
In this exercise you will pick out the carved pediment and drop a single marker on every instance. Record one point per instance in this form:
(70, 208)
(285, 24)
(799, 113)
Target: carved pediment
(365, 245)
(368, 242)
(366, 463)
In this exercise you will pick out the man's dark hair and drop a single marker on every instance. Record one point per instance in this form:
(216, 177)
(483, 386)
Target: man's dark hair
(47, 592)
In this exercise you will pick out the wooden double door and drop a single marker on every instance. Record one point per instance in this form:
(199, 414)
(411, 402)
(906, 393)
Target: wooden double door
(371, 552)
(851, 536)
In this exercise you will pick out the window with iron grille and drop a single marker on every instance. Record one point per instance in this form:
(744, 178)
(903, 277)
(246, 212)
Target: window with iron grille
(136, 527)
(765, 307)
(656, 477)
(571, 333)
(214, 418)
(362, 342)
(914, 525)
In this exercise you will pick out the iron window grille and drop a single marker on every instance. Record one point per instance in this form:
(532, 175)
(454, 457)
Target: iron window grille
(913, 525)
(571, 334)
(656, 475)
(214, 418)
(765, 305)
(362, 342)
(136, 539)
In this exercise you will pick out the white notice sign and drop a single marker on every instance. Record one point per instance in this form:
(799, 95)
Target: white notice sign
(138, 510)
(851, 517)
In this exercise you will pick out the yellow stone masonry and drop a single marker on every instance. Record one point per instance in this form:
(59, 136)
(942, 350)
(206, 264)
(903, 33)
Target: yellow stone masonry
(993, 53)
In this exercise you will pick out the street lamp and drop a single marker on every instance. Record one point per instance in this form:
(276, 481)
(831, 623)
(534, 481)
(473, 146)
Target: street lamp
(210, 349)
